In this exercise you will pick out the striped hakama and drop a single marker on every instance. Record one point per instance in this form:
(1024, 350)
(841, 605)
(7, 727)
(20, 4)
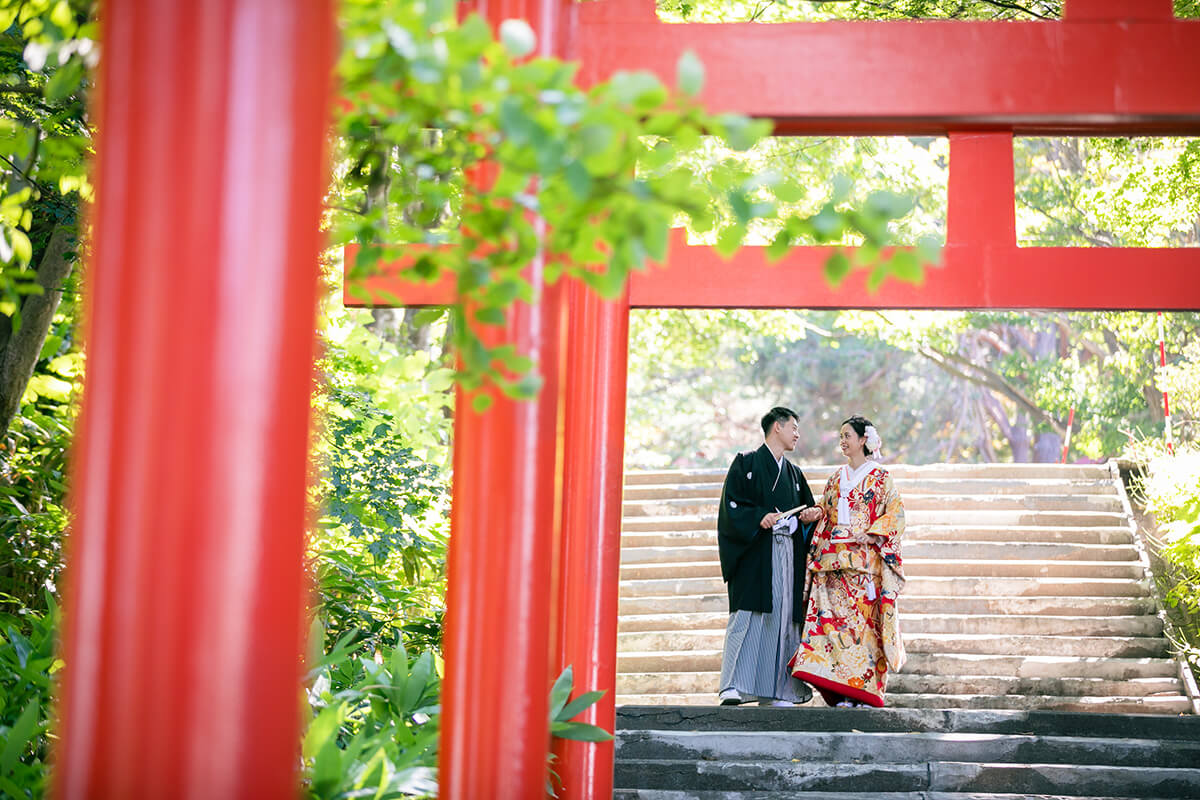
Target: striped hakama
(758, 645)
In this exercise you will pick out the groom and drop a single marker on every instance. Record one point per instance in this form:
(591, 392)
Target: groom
(763, 563)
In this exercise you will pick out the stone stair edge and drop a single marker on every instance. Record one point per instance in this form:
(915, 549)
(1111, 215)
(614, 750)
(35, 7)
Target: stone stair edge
(946, 720)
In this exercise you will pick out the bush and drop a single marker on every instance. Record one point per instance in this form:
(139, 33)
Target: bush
(28, 661)
(1170, 490)
(374, 730)
(33, 517)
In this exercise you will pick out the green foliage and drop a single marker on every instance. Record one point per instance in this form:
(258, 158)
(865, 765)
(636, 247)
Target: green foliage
(379, 549)
(374, 729)
(1170, 490)
(474, 144)
(941, 386)
(33, 516)
(46, 48)
(1120, 192)
(28, 660)
(818, 11)
(562, 713)
(821, 10)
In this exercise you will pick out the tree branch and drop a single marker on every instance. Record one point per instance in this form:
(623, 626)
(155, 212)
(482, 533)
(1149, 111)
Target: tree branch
(967, 370)
(1014, 7)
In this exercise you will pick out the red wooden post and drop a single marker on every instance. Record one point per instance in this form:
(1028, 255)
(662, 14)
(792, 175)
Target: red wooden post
(185, 589)
(980, 202)
(597, 349)
(505, 522)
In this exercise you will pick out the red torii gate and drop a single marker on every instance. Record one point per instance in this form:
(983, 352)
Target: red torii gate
(185, 590)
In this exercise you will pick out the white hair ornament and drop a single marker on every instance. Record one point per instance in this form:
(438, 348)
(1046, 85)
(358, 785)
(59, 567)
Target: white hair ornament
(873, 440)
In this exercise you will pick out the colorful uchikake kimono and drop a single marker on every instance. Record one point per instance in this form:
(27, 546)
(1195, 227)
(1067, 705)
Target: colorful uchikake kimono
(851, 639)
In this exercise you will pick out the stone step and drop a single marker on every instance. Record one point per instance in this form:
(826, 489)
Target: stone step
(978, 551)
(947, 776)
(938, 486)
(984, 517)
(949, 472)
(664, 683)
(948, 622)
(893, 748)
(1055, 606)
(1025, 666)
(916, 533)
(959, 664)
(1177, 704)
(923, 567)
(932, 585)
(1091, 646)
(1053, 666)
(913, 503)
(900, 720)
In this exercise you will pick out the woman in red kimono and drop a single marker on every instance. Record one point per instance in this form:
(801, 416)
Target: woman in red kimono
(851, 640)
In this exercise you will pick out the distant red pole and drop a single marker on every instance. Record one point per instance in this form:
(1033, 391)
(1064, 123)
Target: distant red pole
(1162, 360)
(598, 344)
(1067, 438)
(185, 588)
(505, 522)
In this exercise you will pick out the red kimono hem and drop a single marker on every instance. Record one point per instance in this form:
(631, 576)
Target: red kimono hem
(833, 687)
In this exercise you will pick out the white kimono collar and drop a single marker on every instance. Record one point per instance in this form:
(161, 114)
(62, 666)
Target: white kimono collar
(846, 483)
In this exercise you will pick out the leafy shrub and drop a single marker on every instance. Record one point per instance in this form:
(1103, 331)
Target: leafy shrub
(378, 552)
(28, 661)
(33, 516)
(1170, 490)
(374, 730)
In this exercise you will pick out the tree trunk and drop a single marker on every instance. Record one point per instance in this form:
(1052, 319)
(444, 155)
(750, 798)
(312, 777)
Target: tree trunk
(1047, 449)
(23, 346)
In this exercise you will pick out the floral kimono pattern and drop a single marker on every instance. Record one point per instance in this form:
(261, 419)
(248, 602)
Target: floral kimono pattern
(851, 640)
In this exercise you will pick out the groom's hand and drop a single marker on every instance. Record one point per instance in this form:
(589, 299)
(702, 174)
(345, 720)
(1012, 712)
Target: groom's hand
(768, 521)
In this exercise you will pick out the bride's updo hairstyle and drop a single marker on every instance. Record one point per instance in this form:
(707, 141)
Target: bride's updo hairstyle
(861, 425)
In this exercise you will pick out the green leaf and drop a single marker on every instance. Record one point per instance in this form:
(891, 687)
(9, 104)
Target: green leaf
(730, 239)
(428, 316)
(481, 402)
(689, 73)
(580, 732)
(578, 705)
(490, 316)
(906, 266)
(837, 268)
(61, 15)
(18, 736)
(322, 730)
(578, 179)
(327, 768)
(418, 682)
(779, 246)
(65, 81)
(22, 249)
(560, 692)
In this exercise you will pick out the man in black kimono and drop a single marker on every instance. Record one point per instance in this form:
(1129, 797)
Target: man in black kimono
(763, 564)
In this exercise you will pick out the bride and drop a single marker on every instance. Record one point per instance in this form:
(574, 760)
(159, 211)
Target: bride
(851, 640)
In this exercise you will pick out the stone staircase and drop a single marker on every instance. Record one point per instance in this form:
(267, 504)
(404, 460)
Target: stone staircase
(714, 753)
(1027, 589)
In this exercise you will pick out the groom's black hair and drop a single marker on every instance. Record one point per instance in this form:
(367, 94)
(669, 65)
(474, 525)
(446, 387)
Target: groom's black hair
(777, 414)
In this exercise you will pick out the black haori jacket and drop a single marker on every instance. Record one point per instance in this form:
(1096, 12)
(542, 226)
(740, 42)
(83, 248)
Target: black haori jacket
(752, 491)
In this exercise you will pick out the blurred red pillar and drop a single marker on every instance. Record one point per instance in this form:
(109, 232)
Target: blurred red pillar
(597, 350)
(506, 521)
(185, 588)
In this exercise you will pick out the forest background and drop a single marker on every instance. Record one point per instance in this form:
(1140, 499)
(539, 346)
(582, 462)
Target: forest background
(941, 386)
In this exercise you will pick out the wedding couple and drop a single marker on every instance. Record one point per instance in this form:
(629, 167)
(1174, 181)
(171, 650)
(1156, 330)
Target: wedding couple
(812, 582)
